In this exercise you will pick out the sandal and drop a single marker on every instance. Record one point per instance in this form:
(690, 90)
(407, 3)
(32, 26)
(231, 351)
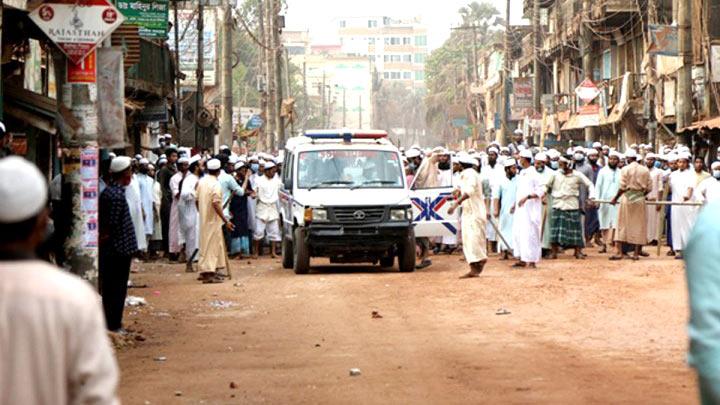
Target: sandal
(615, 257)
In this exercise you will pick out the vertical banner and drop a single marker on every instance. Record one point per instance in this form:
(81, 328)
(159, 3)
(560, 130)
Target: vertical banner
(111, 98)
(89, 164)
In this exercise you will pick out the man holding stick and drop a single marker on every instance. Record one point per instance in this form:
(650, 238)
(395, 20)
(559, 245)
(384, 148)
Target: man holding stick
(632, 214)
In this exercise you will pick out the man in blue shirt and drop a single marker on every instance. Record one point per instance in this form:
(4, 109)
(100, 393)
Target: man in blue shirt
(229, 187)
(702, 261)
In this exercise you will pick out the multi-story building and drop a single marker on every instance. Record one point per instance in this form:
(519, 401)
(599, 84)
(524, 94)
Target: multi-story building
(397, 48)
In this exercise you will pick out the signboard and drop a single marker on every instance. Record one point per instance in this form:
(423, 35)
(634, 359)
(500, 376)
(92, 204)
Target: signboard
(77, 26)
(254, 122)
(548, 103)
(587, 91)
(522, 93)
(151, 16)
(187, 23)
(89, 164)
(588, 116)
(83, 72)
(663, 40)
(715, 63)
(154, 111)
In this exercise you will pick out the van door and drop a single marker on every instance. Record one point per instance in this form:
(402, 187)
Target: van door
(430, 212)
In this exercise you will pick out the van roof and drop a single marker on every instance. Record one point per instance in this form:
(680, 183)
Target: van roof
(329, 139)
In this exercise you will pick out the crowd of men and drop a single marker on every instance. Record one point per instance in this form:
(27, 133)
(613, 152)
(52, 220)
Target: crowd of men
(529, 204)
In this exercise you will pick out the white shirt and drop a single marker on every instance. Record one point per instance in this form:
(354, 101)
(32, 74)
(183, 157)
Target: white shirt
(53, 345)
(267, 189)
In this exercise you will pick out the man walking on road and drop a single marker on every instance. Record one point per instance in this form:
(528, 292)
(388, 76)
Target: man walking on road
(528, 214)
(53, 344)
(504, 206)
(607, 186)
(213, 255)
(267, 216)
(469, 196)
(632, 214)
(117, 243)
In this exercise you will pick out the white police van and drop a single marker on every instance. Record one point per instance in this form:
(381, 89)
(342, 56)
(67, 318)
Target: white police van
(344, 196)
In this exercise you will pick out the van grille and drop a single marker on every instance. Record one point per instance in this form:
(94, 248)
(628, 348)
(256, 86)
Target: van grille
(359, 215)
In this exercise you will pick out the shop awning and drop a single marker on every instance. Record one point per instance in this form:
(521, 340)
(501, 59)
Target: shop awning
(35, 109)
(710, 123)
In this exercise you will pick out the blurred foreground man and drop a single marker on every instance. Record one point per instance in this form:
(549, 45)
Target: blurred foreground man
(53, 345)
(702, 261)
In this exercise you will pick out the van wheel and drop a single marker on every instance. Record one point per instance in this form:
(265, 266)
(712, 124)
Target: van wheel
(387, 261)
(287, 253)
(406, 253)
(301, 253)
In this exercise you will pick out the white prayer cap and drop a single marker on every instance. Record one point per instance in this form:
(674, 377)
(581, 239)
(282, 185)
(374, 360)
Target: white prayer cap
(504, 149)
(596, 145)
(592, 152)
(169, 136)
(213, 164)
(224, 147)
(195, 158)
(269, 165)
(605, 147)
(2, 129)
(239, 165)
(685, 155)
(279, 160)
(119, 164)
(493, 150)
(615, 154)
(232, 159)
(412, 153)
(112, 155)
(718, 149)
(262, 162)
(672, 157)
(526, 154)
(183, 159)
(631, 153)
(144, 161)
(633, 146)
(138, 156)
(518, 131)
(651, 156)
(161, 161)
(163, 156)
(471, 151)
(541, 156)
(715, 165)
(578, 155)
(439, 150)
(151, 166)
(23, 190)
(509, 162)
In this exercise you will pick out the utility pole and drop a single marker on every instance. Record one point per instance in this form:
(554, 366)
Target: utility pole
(536, 61)
(226, 129)
(323, 101)
(360, 124)
(344, 109)
(287, 90)
(684, 85)
(504, 135)
(306, 106)
(652, 122)
(270, 75)
(178, 91)
(262, 68)
(277, 52)
(586, 51)
(475, 77)
(199, 73)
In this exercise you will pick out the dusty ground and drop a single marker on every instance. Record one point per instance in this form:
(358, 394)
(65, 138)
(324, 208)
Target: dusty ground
(578, 332)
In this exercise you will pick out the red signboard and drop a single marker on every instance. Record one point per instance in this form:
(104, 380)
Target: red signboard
(84, 72)
(587, 91)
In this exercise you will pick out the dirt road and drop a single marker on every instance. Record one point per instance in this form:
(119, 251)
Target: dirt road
(577, 332)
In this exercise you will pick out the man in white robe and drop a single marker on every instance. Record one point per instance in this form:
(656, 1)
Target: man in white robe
(504, 206)
(147, 198)
(491, 173)
(445, 179)
(655, 194)
(469, 196)
(682, 185)
(132, 195)
(188, 212)
(528, 214)
(606, 186)
(175, 238)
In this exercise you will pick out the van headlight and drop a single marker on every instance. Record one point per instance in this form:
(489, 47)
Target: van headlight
(319, 215)
(400, 214)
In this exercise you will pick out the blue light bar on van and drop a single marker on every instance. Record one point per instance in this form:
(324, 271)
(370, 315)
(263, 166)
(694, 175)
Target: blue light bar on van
(345, 135)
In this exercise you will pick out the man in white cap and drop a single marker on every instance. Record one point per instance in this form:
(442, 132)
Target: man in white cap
(607, 186)
(165, 173)
(590, 169)
(469, 196)
(504, 206)
(682, 186)
(445, 179)
(117, 242)
(132, 194)
(632, 213)
(176, 238)
(566, 222)
(188, 212)
(527, 225)
(267, 216)
(5, 140)
(213, 254)
(654, 214)
(146, 189)
(53, 345)
(708, 190)
(490, 175)
(518, 141)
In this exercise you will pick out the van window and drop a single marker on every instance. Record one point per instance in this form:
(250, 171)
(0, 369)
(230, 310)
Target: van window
(349, 169)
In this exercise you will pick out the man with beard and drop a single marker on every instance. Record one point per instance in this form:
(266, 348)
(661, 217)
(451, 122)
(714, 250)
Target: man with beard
(518, 142)
(490, 174)
(527, 223)
(682, 184)
(565, 223)
(632, 216)
(653, 213)
(175, 237)
(672, 163)
(445, 178)
(188, 212)
(426, 176)
(607, 185)
(590, 169)
(145, 185)
(163, 177)
(504, 206)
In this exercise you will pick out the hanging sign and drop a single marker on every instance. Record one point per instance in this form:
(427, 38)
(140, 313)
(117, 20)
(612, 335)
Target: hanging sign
(83, 72)
(77, 26)
(587, 91)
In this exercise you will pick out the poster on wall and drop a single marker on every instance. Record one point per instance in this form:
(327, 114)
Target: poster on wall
(83, 72)
(89, 163)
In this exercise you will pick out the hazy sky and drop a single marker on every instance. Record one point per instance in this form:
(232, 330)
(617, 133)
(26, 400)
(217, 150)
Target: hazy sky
(438, 15)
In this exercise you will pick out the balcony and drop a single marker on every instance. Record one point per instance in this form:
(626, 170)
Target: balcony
(613, 13)
(154, 72)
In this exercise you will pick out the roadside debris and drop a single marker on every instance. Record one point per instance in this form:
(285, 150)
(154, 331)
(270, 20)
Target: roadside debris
(502, 311)
(376, 315)
(133, 301)
(160, 358)
(178, 393)
(354, 372)
(233, 385)
(220, 304)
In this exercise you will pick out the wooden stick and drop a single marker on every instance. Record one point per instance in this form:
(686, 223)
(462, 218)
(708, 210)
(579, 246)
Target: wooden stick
(686, 203)
(660, 222)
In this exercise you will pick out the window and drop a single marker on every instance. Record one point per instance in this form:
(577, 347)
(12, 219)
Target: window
(342, 23)
(371, 41)
(349, 168)
(606, 65)
(420, 40)
(407, 75)
(387, 40)
(420, 75)
(372, 23)
(372, 58)
(406, 41)
(395, 41)
(386, 20)
(407, 58)
(386, 58)
(386, 75)
(419, 58)
(394, 58)
(395, 75)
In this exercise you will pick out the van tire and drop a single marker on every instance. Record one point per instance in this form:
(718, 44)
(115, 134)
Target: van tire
(287, 253)
(301, 253)
(406, 253)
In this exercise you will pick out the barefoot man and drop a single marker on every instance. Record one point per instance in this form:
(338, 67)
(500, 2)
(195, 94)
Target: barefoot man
(469, 196)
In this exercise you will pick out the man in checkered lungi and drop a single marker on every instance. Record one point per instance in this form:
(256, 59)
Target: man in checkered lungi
(565, 221)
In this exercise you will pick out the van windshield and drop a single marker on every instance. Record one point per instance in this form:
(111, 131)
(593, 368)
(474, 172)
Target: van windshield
(349, 169)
